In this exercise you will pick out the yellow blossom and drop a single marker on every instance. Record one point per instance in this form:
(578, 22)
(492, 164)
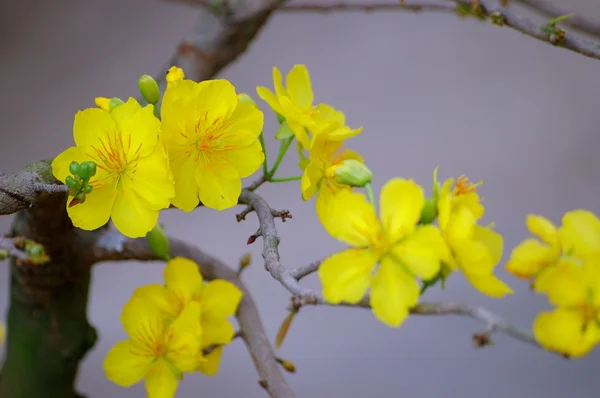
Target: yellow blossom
(475, 249)
(295, 103)
(580, 234)
(573, 328)
(174, 74)
(403, 250)
(218, 300)
(133, 181)
(157, 351)
(212, 141)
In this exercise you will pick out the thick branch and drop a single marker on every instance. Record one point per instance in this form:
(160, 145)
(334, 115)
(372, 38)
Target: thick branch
(112, 246)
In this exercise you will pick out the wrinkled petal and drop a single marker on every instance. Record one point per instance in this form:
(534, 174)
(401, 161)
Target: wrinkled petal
(400, 205)
(422, 251)
(90, 125)
(220, 298)
(157, 295)
(161, 382)
(138, 128)
(350, 218)
(218, 98)
(219, 184)
(184, 176)
(565, 283)
(97, 208)
(131, 214)
(489, 285)
(210, 365)
(153, 180)
(216, 331)
(566, 332)
(124, 366)
(543, 228)
(183, 278)
(246, 160)
(393, 293)
(345, 276)
(183, 338)
(529, 258)
(61, 163)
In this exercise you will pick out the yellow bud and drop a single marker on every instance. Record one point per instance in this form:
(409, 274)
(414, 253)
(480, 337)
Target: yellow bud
(353, 173)
(287, 365)
(149, 89)
(243, 97)
(102, 103)
(174, 74)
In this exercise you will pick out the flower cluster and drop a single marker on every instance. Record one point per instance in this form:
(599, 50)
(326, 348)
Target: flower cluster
(206, 142)
(176, 328)
(563, 264)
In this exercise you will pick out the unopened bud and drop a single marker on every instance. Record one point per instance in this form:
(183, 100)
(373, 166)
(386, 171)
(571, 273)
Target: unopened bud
(429, 212)
(35, 250)
(287, 365)
(436, 187)
(353, 173)
(243, 97)
(149, 89)
(114, 102)
(245, 261)
(174, 74)
(3, 254)
(159, 244)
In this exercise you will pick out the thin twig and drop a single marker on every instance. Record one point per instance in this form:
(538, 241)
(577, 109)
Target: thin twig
(577, 22)
(8, 244)
(301, 272)
(408, 5)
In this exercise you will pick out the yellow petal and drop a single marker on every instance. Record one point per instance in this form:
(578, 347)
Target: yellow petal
(339, 133)
(565, 283)
(400, 205)
(345, 276)
(220, 298)
(210, 366)
(143, 322)
(138, 126)
(300, 133)
(489, 285)
(347, 154)
(183, 278)
(350, 218)
(277, 83)
(422, 251)
(90, 125)
(460, 226)
(581, 229)
(219, 97)
(393, 293)
(153, 180)
(492, 240)
(246, 160)
(216, 330)
(310, 180)
(543, 228)
(161, 382)
(566, 332)
(157, 295)
(183, 338)
(186, 188)
(131, 214)
(299, 87)
(97, 208)
(124, 366)
(243, 127)
(445, 205)
(219, 184)
(271, 99)
(61, 163)
(529, 258)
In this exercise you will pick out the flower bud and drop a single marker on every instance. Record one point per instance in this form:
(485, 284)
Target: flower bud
(429, 212)
(72, 183)
(353, 173)
(243, 97)
(102, 103)
(35, 250)
(114, 102)
(87, 189)
(159, 244)
(174, 74)
(3, 256)
(84, 171)
(287, 365)
(149, 89)
(245, 261)
(74, 168)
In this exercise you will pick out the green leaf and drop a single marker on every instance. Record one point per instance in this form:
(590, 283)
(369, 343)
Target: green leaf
(560, 19)
(284, 131)
(280, 118)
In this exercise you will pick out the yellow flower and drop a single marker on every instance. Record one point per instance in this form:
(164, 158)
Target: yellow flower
(218, 300)
(475, 249)
(295, 103)
(580, 234)
(174, 74)
(573, 328)
(157, 351)
(402, 249)
(212, 141)
(133, 181)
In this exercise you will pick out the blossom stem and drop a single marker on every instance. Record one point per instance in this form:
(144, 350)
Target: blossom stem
(370, 195)
(265, 165)
(285, 144)
(286, 179)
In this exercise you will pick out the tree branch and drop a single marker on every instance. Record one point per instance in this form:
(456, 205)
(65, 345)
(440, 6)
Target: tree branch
(112, 246)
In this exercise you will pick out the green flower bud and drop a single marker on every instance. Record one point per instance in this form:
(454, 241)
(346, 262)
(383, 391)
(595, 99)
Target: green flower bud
(87, 189)
(74, 168)
(3, 254)
(92, 166)
(114, 102)
(80, 198)
(84, 171)
(159, 244)
(353, 173)
(243, 97)
(72, 183)
(429, 212)
(149, 89)
(35, 250)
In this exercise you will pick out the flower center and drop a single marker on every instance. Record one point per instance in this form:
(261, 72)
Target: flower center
(113, 155)
(211, 135)
(463, 186)
(589, 312)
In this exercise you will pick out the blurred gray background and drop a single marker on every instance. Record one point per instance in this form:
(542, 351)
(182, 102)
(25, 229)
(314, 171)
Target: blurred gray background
(429, 89)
